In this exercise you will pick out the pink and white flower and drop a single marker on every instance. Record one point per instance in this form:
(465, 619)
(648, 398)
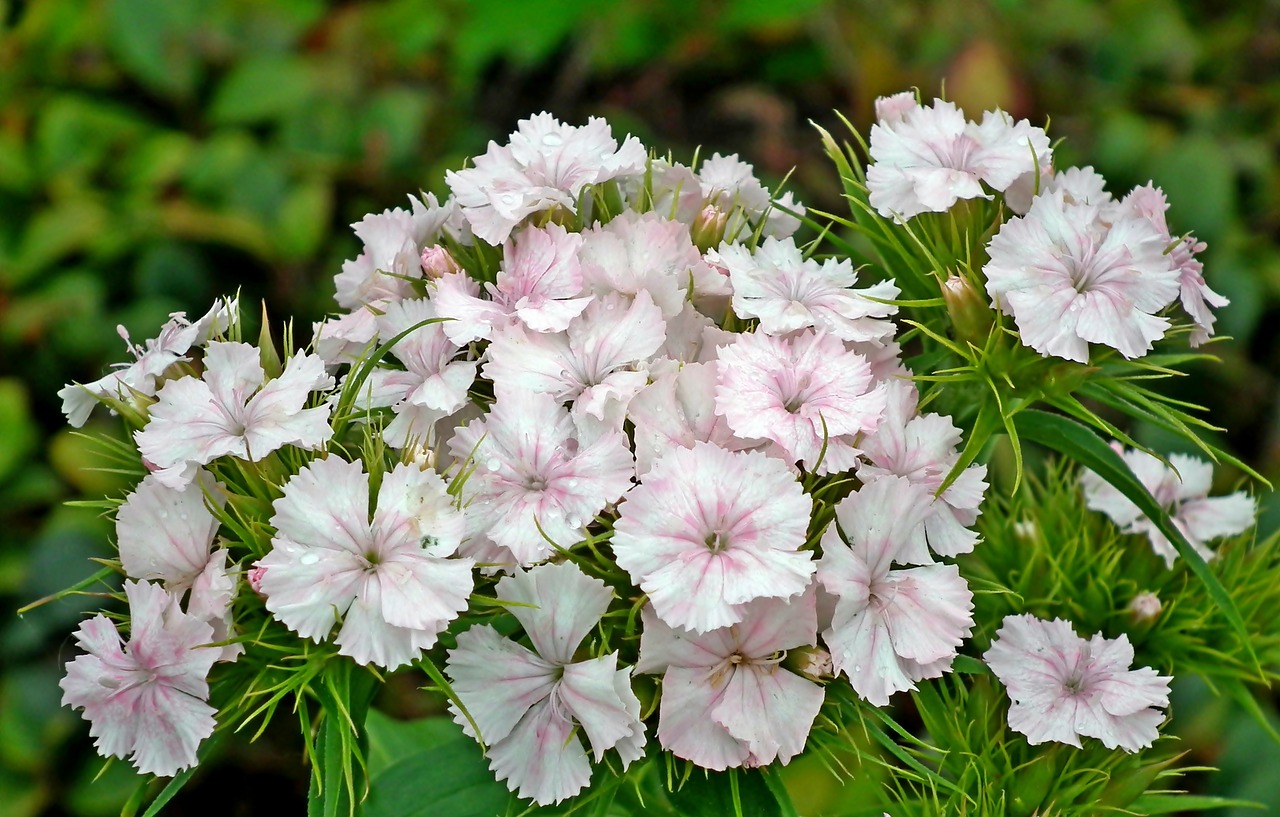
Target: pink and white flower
(1069, 279)
(1149, 202)
(806, 392)
(529, 705)
(710, 530)
(678, 409)
(392, 579)
(891, 627)
(598, 363)
(923, 448)
(151, 360)
(928, 158)
(1182, 488)
(545, 166)
(392, 256)
(435, 383)
(538, 285)
(533, 472)
(1063, 687)
(730, 185)
(168, 534)
(726, 700)
(644, 251)
(230, 412)
(788, 292)
(146, 699)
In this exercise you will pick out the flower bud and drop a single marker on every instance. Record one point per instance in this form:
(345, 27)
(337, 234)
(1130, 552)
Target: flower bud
(970, 315)
(254, 577)
(813, 663)
(708, 228)
(437, 261)
(1145, 608)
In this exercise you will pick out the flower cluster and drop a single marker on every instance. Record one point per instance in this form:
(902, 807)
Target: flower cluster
(597, 422)
(1075, 267)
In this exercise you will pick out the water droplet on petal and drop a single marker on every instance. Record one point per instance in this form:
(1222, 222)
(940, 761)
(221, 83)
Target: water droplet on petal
(574, 522)
(309, 558)
(572, 483)
(551, 139)
(493, 464)
(510, 199)
(857, 668)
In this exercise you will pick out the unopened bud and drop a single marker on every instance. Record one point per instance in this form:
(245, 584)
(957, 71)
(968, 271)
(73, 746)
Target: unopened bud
(254, 577)
(811, 662)
(437, 261)
(1145, 608)
(970, 315)
(708, 228)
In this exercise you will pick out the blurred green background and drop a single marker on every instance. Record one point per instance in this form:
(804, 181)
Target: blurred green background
(157, 153)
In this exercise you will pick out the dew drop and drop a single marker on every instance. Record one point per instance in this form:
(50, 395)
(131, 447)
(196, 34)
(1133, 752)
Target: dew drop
(164, 514)
(857, 668)
(510, 199)
(574, 522)
(571, 482)
(309, 559)
(109, 683)
(493, 464)
(552, 139)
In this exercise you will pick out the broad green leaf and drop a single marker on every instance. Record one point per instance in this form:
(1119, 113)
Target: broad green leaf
(18, 432)
(734, 793)
(1179, 803)
(1089, 450)
(304, 219)
(263, 88)
(156, 39)
(429, 768)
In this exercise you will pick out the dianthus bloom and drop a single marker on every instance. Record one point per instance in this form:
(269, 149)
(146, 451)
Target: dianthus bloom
(726, 700)
(806, 392)
(709, 530)
(926, 159)
(148, 700)
(168, 534)
(1069, 278)
(390, 578)
(546, 165)
(1183, 491)
(151, 360)
(1063, 687)
(789, 292)
(231, 412)
(891, 627)
(531, 705)
(534, 478)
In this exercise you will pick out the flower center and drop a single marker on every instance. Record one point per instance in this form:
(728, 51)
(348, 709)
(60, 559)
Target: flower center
(716, 541)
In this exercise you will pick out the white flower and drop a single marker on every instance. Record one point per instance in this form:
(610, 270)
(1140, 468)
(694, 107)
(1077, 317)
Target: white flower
(1183, 491)
(1063, 687)
(1069, 278)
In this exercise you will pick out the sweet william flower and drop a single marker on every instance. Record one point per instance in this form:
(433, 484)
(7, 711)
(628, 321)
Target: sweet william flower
(145, 699)
(531, 471)
(532, 705)
(890, 627)
(806, 392)
(151, 359)
(710, 530)
(726, 699)
(923, 448)
(168, 534)
(1063, 687)
(545, 165)
(391, 577)
(928, 158)
(1070, 278)
(230, 411)
(788, 292)
(1183, 491)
